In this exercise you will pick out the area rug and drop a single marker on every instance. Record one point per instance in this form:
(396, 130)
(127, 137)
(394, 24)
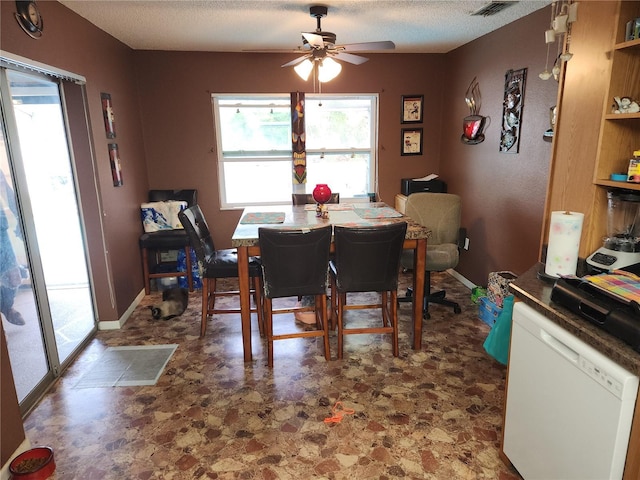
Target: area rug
(128, 366)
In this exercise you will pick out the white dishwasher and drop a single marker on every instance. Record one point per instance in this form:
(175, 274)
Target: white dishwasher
(569, 408)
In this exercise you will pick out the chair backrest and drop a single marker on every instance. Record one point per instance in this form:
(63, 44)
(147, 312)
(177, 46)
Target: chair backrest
(367, 259)
(307, 198)
(187, 195)
(440, 212)
(294, 262)
(197, 229)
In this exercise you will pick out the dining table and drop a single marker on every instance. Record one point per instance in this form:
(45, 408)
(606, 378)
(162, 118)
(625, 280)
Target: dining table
(245, 240)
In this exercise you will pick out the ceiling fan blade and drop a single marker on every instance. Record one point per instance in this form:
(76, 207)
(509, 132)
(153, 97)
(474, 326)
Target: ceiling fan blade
(314, 40)
(347, 57)
(296, 61)
(276, 50)
(368, 46)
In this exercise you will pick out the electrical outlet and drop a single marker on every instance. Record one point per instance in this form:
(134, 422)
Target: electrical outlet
(466, 243)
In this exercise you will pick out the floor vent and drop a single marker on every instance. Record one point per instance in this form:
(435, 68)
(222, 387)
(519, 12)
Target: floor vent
(492, 8)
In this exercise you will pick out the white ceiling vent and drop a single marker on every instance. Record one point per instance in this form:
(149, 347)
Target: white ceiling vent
(492, 8)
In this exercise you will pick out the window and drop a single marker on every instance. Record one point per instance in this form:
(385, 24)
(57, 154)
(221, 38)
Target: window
(254, 146)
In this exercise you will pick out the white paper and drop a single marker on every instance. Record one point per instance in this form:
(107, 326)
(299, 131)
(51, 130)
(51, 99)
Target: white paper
(431, 176)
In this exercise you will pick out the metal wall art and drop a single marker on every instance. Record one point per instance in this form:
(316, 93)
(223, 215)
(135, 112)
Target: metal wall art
(514, 86)
(474, 124)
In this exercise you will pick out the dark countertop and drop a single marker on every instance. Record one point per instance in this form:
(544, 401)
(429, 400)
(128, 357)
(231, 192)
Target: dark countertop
(537, 294)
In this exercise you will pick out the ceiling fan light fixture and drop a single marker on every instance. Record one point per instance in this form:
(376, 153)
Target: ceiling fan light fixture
(304, 69)
(328, 69)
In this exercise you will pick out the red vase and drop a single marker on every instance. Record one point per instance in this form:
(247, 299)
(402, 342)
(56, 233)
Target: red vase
(322, 193)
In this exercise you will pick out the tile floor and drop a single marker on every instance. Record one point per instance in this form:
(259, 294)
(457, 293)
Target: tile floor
(429, 414)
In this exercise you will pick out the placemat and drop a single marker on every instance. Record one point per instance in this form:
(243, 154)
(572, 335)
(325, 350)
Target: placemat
(263, 217)
(376, 212)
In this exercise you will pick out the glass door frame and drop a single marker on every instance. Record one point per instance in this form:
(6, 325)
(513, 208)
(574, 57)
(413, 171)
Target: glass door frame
(55, 367)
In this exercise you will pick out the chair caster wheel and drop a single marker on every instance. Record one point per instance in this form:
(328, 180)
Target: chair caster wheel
(457, 310)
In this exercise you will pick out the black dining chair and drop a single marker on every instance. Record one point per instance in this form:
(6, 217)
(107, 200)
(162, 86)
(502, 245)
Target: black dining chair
(216, 264)
(295, 263)
(367, 259)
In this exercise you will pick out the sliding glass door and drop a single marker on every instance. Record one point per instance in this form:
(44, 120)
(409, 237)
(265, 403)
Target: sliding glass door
(47, 303)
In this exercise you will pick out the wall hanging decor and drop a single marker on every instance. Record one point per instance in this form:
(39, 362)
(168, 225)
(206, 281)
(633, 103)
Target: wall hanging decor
(116, 169)
(412, 108)
(474, 124)
(514, 86)
(29, 18)
(107, 113)
(411, 141)
(298, 141)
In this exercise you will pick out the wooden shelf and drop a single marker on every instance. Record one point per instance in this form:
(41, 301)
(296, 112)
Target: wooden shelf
(613, 184)
(622, 116)
(630, 44)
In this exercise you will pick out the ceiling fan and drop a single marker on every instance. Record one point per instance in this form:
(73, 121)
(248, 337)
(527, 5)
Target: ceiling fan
(320, 50)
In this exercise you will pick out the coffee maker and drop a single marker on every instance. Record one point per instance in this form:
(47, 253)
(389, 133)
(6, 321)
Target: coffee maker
(621, 247)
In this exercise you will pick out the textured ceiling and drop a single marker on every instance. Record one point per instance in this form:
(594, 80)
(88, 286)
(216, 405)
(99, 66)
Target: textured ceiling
(416, 26)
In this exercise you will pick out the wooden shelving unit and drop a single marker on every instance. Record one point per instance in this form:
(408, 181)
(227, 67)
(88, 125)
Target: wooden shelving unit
(619, 133)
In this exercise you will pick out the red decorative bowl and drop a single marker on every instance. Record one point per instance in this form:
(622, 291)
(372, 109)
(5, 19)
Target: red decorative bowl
(34, 464)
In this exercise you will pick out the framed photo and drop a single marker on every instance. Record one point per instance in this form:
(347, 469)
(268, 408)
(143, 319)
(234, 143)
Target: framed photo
(412, 108)
(411, 141)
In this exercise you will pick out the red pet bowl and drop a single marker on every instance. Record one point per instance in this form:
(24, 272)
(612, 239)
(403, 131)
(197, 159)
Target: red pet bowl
(34, 464)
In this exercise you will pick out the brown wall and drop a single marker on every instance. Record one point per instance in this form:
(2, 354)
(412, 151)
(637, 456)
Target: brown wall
(177, 115)
(503, 193)
(75, 45)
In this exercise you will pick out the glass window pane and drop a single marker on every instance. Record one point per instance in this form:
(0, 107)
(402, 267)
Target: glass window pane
(345, 174)
(258, 182)
(338, 123)
(255, 129)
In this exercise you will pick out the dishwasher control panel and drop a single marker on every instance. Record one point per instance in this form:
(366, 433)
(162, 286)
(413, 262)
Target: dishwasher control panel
(601, 376)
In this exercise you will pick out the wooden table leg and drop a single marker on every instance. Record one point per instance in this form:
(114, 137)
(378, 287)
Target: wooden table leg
(419, 261)
(245, 300)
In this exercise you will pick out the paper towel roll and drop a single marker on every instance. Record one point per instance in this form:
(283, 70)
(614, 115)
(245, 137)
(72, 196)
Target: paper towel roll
(564, 243)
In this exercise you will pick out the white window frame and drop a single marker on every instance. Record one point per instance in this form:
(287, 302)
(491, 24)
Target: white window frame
(280, 156)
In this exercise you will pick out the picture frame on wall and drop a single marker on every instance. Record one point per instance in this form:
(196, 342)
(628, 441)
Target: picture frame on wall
(411, 141)
(109, 117)
(412, 108)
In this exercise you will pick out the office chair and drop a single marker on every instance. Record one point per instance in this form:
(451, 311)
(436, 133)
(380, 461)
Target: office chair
(367, 259)
(440, 212)
(215, 264)
(307, 199)
(167, 239)
(295, 263)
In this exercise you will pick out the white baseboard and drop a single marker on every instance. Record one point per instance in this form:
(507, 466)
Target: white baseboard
(115, 325)
(467, 283)
(24, 446)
